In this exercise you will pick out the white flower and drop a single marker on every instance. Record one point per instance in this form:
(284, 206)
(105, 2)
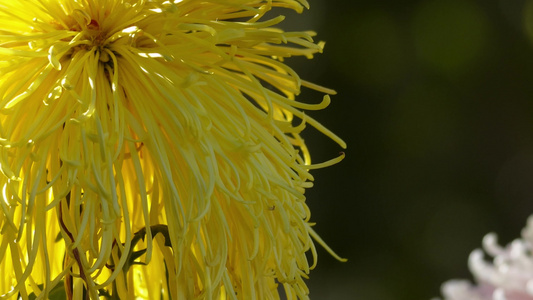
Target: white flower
(508, 277)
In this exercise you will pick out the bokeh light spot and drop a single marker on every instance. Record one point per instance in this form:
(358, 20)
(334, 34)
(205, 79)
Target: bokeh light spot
(450, 35)
(528, 19)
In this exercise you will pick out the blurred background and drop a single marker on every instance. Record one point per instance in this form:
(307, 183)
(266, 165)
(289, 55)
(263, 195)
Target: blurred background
(435, 101)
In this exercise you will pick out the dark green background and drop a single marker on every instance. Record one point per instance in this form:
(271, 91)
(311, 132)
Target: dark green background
(436, 104)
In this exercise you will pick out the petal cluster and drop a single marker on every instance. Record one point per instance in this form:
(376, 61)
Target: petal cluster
(508, 277)
(152, 149)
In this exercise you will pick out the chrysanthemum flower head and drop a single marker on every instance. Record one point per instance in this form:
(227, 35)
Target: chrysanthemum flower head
(151, 149)
(508, 277)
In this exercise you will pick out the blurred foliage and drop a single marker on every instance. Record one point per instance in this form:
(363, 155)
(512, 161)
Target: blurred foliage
(450, 35)
(436, 104)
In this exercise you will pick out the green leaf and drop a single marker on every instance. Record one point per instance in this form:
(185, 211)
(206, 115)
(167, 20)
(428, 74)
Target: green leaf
(57, 293)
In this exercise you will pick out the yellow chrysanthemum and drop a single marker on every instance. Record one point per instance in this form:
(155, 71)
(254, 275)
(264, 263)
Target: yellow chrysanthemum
(148, 150)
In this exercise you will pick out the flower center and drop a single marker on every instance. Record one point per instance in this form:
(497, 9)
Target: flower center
(98, 38)
(95, 34)
(91, 34)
